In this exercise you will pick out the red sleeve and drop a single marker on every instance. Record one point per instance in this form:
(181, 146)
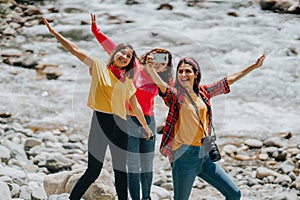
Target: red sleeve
(217, 88)
(107, 44)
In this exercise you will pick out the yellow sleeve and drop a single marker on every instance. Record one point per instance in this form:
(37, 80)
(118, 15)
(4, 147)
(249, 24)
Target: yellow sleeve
(130, 88)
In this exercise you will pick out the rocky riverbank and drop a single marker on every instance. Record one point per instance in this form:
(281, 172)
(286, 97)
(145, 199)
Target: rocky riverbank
(46, 164)
(44, 120)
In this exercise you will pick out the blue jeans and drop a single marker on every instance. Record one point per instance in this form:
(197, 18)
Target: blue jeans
(106, 130)
(187, 165)
(140, 158)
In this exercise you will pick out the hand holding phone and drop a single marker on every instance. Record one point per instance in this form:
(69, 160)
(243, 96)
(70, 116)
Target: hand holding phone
(160, 57)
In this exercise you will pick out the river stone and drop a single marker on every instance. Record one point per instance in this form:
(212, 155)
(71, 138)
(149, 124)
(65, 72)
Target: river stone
(160, 193)
(13, 173)
(262, 172)
(230, 149)
(14, 189)
(287, 166)
(31, 142)
(278, 197)
(11, 53)
(263, 156)
(25, 192)
(63, 182)
(254, 143)
(283, 179)
(4, 191)
(273, 141)
(4, 154)
(280, 155)
(269, 150)
(17, 150)
(38, 191)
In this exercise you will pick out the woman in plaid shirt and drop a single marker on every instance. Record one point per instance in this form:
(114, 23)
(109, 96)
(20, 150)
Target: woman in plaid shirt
(182, 134)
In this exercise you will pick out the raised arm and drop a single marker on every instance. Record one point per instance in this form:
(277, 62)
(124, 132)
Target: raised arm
(107, 44)
(136, 108)
(70, 46)
(232, 78)
(155, 77)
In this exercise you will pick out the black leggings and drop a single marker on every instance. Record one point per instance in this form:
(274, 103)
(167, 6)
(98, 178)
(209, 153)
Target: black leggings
(106, 129)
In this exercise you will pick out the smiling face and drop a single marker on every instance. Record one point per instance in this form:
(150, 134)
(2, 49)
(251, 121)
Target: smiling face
(160, 67)
(123, 57)
(186, 76)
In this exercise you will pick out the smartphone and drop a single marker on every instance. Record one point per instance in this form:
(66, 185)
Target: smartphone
(160, 57)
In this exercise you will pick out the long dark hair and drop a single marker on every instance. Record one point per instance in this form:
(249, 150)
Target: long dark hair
(196, 69)
(129, 68)
(166, 76)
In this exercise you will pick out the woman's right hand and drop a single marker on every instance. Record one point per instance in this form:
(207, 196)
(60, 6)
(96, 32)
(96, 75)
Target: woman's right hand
(149, 64)
(149, 132)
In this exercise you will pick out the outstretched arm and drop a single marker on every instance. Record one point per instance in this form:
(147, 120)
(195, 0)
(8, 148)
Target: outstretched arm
(70, 46)
(136, 108)
(105, 41)
(232, 78)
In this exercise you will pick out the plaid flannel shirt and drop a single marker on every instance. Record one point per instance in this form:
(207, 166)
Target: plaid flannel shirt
(174, 98)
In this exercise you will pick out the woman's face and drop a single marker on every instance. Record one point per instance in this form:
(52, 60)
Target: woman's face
(123, 57)
(159, 66)
(186, 75)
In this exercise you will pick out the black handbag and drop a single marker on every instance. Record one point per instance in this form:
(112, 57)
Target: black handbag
(209, 145)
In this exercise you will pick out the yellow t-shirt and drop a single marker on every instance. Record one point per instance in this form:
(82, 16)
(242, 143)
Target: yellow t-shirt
(108, 94)
(188, 129)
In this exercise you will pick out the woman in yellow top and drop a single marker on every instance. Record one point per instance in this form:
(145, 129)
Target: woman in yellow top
(188, 121)
(111, 86)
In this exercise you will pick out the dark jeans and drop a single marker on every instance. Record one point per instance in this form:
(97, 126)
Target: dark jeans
(106, 130)
(140, 158)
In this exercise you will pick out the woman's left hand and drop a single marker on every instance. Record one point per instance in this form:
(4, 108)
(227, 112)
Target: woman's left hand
(93, 18)
(260, 60)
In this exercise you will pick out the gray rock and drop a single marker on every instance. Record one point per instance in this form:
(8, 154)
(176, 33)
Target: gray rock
(4, 191)
(167, 186)
(75, 138)
(160, 193)
(262, 172)
(280, 155)
(269, 150)
(25, 192)
(287, 166)
(252, 181)
(63, 182)
(279, 197)
(230, 149)
(56, 162)
(38, 191)
(31, 142)
(63, 196)
(17, 150)
(14, 189)
(17, 175)
(273, 141)
(293, 176)
(4, 154)
(283, 180)
(254, 143)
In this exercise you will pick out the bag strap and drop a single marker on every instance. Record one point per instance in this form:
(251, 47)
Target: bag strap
(197, 112)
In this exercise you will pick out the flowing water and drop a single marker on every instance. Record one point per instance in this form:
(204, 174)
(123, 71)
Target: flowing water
(265, 102)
